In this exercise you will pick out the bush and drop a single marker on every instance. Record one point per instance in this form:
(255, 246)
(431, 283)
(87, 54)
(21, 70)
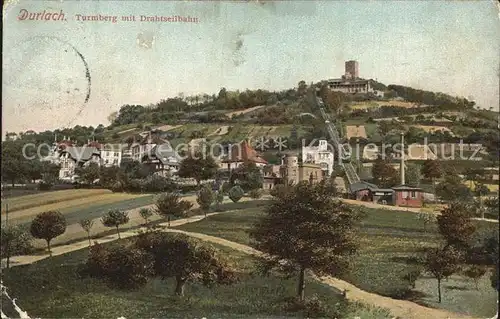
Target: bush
(117, 187)
(236, 193)
(123, 267)
(255, 193)
(311, 307)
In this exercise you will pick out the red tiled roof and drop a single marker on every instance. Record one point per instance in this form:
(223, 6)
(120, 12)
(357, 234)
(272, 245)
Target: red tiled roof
(95, 144)
(243, 152)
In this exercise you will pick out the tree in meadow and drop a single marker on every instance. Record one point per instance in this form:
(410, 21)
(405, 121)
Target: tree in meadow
(186, 259)
(87, 224)
(205, 198)
(47, 226)
(442, 263)
(172, 205)
(305, 228)
(115, 218)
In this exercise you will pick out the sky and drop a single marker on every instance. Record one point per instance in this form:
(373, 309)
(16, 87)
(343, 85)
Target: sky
(442, 46)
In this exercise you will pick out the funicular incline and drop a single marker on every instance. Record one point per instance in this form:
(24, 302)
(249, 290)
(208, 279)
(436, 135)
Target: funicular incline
(342, 151)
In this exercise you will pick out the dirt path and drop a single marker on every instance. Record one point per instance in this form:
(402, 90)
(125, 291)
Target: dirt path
(244, 111)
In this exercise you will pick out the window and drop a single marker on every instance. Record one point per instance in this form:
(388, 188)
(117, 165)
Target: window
(405, 194)
(117, 154)
(413, 194)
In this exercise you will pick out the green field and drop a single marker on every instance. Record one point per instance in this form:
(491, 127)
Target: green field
(81, 202)
(51, 289)
(390, 240)
(29, 201)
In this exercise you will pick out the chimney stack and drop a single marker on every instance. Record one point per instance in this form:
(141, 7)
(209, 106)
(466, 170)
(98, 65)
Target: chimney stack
(402, 168)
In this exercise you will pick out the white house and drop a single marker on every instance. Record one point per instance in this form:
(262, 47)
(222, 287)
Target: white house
(319, 155)
(112, 154)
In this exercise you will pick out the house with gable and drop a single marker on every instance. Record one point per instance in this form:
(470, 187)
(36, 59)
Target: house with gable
(239, 154)
(71, 157)
(163, 159)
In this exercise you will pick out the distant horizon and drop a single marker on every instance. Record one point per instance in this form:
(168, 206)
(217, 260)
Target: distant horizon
(437, 46)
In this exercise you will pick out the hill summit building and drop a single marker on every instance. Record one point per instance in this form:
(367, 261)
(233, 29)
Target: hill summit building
(350, 82)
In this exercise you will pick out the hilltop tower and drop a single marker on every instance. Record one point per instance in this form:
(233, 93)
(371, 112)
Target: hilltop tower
(351, 69)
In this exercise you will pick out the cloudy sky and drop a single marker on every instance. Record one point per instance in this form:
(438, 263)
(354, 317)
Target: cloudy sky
(446, 46)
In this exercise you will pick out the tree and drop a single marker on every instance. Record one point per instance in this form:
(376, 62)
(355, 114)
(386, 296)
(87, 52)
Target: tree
(219, 199)
(110, 175)
(171, 205)
(302, 88)
(306, 229)
(115, 218)
(432, 170)
(13, 162)
(455, 225)
(442, 263)
(15, 241)
(200, 167)
(384, 174)
(248, 176)
(475, 272)
(48, 225)
(146, 214)
(236, 193)
(205, 198)
(384, 128)
(186, 259)
(89, 173)
(87, 224)
(413, 175)
(452, 189)
(481, 190)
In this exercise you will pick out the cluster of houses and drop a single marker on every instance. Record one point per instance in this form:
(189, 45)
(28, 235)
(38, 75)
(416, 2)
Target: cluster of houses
(317, 164)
